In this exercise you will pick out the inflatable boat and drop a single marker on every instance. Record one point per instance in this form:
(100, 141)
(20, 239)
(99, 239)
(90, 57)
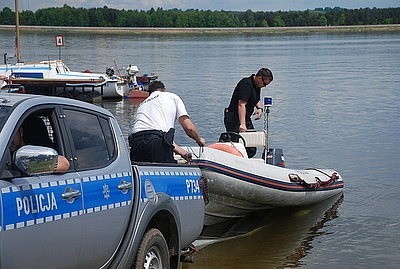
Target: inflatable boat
(237, 185)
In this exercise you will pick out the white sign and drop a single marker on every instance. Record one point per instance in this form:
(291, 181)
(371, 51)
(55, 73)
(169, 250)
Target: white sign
(59, 40)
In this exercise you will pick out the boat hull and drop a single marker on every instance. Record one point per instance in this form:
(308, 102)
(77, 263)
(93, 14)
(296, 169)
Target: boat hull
(138, 95)
(238, 186)
(54, 77)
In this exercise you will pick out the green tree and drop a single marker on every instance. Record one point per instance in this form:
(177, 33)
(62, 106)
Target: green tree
(249, 18)
(7, 16)
(264, 23)
(27, 18)
(278, 22)
(341, 19)
(322, 20)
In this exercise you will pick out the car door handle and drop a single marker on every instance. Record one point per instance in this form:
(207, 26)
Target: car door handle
(70, 195)
(125, 186)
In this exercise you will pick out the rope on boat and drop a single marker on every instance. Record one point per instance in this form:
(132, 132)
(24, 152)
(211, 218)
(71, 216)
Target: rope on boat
(204, 188)
(192, 150)
(297, 179)
(319, 170)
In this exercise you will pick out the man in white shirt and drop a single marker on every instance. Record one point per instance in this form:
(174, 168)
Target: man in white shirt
(152, 138)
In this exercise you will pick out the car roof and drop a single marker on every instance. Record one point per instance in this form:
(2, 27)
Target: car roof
(10, 99)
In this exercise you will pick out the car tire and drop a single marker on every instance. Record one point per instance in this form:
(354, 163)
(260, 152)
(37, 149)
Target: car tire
(153, 251)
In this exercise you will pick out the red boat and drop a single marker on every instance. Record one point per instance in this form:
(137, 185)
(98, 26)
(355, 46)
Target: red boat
(136, 94)
(140, 85)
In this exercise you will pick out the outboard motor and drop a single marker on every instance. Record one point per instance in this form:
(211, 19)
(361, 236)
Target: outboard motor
(275, 157)
(110, 71)
(132, 70)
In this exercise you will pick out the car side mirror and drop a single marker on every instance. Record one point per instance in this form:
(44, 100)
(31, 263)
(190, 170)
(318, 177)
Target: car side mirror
(32, 160)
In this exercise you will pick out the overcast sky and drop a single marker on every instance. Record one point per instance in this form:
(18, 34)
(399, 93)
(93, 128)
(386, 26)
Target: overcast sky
(229, 5)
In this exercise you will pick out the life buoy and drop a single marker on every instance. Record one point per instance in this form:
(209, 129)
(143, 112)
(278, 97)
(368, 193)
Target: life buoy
(226, 148)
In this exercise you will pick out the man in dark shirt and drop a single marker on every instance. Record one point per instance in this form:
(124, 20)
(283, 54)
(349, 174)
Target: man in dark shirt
(245, 102)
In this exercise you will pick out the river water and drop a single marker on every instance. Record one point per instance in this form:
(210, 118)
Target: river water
(335, 105)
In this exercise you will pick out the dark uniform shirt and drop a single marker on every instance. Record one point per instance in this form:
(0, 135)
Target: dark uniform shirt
(247, 91)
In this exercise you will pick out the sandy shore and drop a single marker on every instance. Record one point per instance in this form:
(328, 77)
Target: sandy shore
(249, 30)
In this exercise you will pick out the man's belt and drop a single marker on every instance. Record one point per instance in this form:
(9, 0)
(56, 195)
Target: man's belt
(167, 136)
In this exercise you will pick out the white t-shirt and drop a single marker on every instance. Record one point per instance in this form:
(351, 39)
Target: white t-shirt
(159, 112)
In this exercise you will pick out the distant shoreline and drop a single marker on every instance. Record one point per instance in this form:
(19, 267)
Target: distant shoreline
(247, 30)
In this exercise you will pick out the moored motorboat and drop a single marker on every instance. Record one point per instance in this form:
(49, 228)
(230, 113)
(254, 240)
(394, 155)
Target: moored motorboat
(238, 185)
(54, 77)
(138, 85)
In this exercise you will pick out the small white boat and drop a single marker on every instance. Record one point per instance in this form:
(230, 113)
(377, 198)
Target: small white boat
(55, 77)
(237, 185)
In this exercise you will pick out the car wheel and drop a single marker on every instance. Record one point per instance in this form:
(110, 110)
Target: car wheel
(153, 251)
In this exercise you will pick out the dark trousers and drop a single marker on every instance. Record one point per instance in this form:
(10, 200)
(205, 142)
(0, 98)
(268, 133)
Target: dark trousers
(231, 122)
(152, 146)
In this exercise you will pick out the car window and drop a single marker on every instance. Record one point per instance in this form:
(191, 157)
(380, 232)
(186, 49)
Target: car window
(109, 135)
(91, 143)
(36, 129)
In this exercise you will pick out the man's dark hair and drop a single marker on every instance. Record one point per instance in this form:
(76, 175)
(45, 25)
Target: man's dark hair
(155, 85)
(265, 73)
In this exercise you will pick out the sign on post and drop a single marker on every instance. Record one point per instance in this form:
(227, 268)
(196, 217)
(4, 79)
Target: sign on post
(59, 44)
(59, 40)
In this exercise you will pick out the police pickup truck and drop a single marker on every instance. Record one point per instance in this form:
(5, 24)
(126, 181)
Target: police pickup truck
(101, 211)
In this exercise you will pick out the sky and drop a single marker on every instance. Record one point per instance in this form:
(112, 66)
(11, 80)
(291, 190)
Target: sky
(228, 5)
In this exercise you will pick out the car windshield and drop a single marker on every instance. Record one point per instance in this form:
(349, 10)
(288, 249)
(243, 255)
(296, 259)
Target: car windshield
(3, 112)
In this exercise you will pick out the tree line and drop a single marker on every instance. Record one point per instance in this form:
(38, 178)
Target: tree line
(194, 18)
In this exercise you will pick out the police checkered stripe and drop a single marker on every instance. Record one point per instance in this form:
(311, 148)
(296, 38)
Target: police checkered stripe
(43, 185)
(178, 198)
(62, 182)
(106, 176)
(168, 173)
(42, 220)
(106, 207)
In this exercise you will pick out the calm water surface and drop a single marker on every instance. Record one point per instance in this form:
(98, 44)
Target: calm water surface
(336, 105)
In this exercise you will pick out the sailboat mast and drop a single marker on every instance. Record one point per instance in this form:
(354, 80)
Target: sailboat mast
(17, 42)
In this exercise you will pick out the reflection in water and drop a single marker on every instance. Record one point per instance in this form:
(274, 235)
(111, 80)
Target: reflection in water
(294, 260)
(278, 238)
